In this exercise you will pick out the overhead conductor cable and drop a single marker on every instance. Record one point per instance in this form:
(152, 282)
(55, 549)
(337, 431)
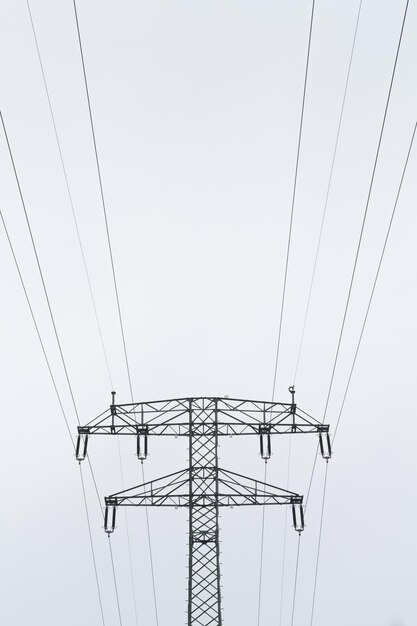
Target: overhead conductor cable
(353, 274)
(284, 287)
(116, 294)
(312, 280)
(71, 202)
(53, 383)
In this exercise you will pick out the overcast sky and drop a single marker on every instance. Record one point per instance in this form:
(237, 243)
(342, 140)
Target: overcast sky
(197, 109)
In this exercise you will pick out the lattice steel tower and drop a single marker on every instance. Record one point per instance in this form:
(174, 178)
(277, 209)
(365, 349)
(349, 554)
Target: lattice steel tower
(203, 487)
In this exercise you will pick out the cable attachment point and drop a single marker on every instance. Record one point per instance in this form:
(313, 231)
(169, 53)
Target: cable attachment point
(293, 405)
(110, 515)
(141, 442)
(265, 441)
(112, 412)
(325, 445)
(82, 441)
(298, 515)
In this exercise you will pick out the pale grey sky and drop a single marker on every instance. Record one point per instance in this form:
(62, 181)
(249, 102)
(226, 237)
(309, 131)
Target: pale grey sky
(197, 108)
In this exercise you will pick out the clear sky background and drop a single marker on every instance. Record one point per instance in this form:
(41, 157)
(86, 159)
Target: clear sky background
(197, 109)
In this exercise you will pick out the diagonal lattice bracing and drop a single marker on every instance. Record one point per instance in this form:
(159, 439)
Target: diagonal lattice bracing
(203, 559)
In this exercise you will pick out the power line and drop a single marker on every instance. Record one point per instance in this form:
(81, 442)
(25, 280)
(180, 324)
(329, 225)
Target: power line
(359, 343)
(375, 281)
(127, 534)
(115, 583)
(284, 549)
(148, 530)
(91, 545)
(299, 538)
(58, 398)
(293, 201)
(64, 171)
(103, 202)
(323, 218)
(295, 580)
(366, 212)
(22, 282)
(319, 545)
(75, 220)
(81, 251)
(262, 557)
(40, 270)
(54, 327)
(300, 131)
(312, 475)
(350, 290)
(114, 282)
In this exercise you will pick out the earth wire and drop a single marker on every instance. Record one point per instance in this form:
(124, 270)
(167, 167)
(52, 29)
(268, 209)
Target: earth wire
(113, 271)
(366, 211)
(64, 171)
(49, 308)
(294, 191)
(323, 218)
(58, 397)
(360, 339)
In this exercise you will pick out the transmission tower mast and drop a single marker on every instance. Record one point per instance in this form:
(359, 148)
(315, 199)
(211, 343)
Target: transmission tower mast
(203, 487)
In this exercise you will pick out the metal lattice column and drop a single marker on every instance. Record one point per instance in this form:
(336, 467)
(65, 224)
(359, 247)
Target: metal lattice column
(203, 560)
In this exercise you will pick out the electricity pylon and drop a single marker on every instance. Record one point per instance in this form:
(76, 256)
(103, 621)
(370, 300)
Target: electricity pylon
(203, 487)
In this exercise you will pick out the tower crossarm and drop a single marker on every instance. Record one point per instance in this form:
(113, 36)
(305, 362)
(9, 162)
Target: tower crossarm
(171, 418)
(173, 490)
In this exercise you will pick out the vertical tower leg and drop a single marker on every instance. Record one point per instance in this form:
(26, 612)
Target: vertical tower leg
(203, 568)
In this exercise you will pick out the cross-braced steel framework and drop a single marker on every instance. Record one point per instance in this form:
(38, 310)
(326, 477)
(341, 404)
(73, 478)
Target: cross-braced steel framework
(203, 487)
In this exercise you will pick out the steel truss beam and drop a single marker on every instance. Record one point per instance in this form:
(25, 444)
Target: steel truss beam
(203, 487)
(171, 418)
(233, 490)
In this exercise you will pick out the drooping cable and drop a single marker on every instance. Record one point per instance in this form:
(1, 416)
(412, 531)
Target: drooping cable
(284, 288)
(350, 287)
(116, 290)
(294, 191)
(366, 211)
(262, 556)
(319, 545)
(293, 202)
(22, 282)
(115, 583)
(74, 219)
(48, 365)
(294, 595)
(284, 549)
(361, 336)
(374, 283)
(50, 312)
(91, 544)
(70, 198)
(80, 247)
(40, 271)
(329, 184)
(312, 475)
(127, 534)
(103, 202)
(354, 271)
(148, 530)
